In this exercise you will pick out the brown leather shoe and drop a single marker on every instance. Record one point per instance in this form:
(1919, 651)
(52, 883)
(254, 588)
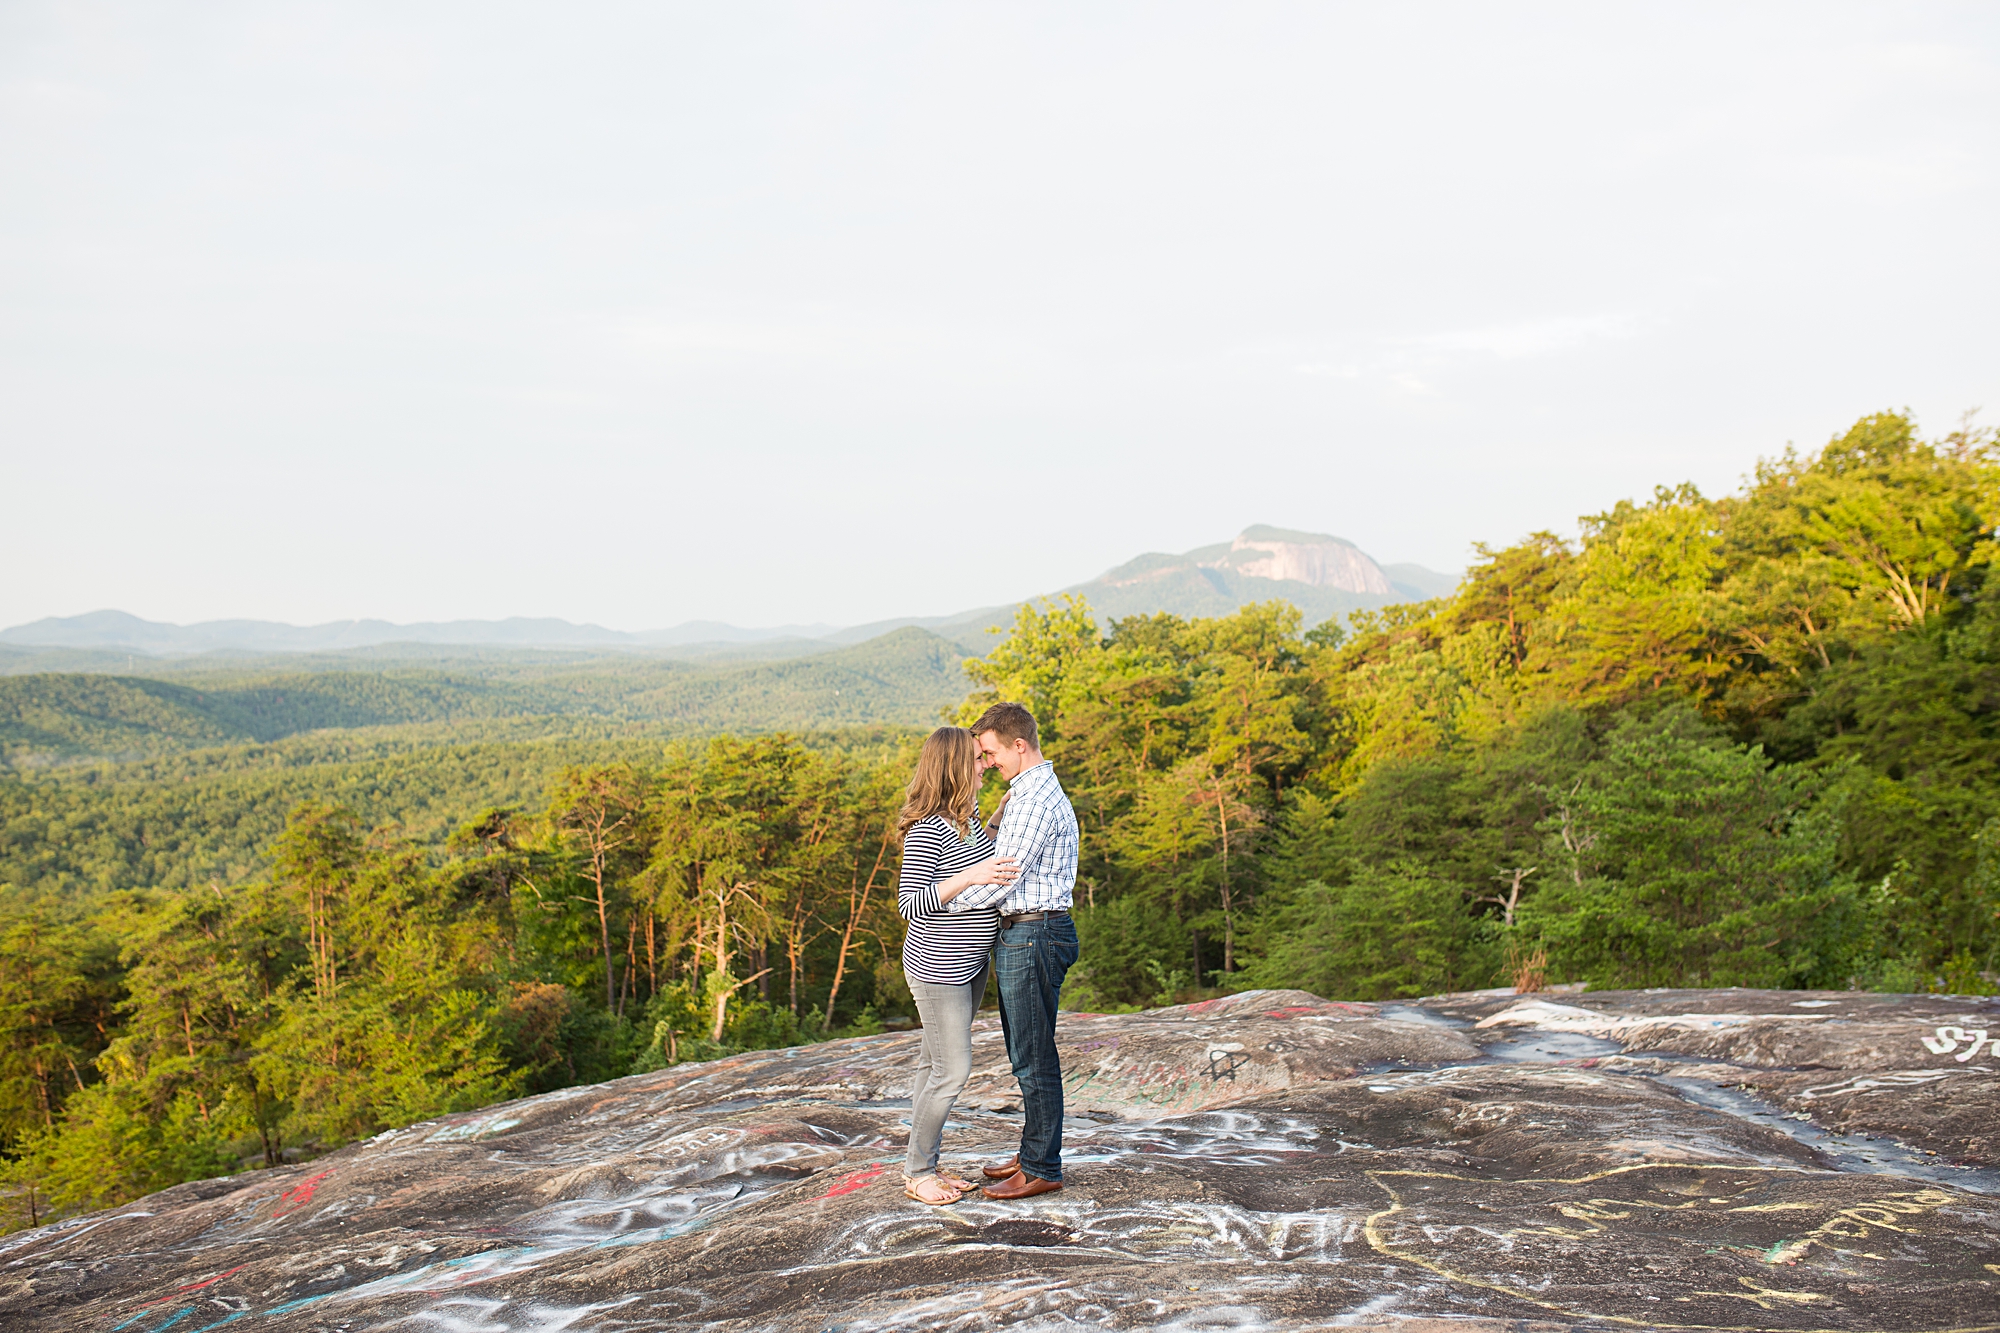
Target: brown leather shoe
(1021, 1185)
(1002, 1170)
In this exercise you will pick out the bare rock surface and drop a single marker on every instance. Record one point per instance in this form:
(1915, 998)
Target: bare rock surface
(1673, 1159)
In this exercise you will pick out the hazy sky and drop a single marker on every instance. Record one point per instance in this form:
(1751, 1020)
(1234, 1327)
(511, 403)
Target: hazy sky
(636, 313)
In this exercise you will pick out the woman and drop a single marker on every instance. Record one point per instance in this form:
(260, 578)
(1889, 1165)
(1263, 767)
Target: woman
(945, 955)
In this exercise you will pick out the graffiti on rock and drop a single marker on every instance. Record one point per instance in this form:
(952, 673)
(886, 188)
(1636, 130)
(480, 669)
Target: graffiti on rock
(1947, 1039)
(1260, 1161)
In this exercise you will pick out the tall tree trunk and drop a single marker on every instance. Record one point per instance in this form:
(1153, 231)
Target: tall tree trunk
(722, 959)
(857, 904)
(794, 946)
(603, 910)
(1228, 915)
(626, 987)
(42, 1090)
(652, 963)
(722, 1000)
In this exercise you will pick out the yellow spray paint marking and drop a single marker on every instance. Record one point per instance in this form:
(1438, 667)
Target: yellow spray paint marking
(1766, 1298)
(1407, 1231)
(1855, 1223)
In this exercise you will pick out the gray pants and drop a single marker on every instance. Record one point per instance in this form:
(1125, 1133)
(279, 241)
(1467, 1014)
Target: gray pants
(944, 1062)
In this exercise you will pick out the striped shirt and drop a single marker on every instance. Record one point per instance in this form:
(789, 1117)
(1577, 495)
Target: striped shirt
(1038, 829)
(942, 948)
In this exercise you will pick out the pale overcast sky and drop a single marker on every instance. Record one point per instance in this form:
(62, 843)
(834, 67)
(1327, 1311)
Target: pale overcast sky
(637, 313)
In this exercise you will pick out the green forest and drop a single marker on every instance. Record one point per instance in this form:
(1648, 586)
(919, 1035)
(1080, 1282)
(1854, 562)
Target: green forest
(1745, 741)
(62, 719)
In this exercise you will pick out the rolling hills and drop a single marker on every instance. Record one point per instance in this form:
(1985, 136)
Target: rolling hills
(906, 677)
(134, 754)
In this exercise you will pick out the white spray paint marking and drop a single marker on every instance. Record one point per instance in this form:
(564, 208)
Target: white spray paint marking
(465, 1315)
(1621, 1027)
(1948, 1038)
(1893, 1079)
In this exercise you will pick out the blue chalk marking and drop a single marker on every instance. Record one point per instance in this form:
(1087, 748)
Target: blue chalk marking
(186, 1310)
(230, 1318)
(288, 1305)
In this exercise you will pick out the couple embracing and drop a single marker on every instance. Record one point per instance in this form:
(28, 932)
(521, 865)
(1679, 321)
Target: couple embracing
(980, 903)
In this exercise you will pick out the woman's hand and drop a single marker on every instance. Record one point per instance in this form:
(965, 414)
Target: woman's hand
(993, 870)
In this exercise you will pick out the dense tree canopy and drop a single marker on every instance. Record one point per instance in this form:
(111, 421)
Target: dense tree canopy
(1746, 741)
(1712, 742)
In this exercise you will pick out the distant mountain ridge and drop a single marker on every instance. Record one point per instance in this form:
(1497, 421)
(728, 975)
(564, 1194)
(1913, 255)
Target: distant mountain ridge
(1324, 575)
(123, 632)
(907, 678)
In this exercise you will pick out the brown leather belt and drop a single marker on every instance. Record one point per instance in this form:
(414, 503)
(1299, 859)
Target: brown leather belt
(1022, 917)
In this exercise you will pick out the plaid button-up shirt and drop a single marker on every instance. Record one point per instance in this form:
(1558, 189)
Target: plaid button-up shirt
(1038, 829)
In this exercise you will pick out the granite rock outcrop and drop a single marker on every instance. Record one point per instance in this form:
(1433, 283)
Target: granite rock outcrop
(1674, 1159)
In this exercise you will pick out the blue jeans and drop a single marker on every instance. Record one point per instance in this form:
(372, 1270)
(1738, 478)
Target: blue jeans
(1034, 957)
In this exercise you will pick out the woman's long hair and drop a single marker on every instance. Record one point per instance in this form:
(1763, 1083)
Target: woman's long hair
(946, 782)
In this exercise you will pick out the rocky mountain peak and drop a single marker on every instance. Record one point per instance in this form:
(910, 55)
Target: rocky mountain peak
(1317, 559)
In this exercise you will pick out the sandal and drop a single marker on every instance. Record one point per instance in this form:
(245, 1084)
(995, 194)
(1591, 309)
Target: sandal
(962, 1186)
(912, 1183)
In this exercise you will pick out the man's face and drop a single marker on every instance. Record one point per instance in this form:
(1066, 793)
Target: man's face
(1007, 756)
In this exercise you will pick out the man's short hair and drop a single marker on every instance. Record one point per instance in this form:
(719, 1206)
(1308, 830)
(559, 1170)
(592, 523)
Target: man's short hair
(1012, 723)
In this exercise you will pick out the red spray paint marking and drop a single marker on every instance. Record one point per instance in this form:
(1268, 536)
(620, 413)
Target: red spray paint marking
(858, 1181)
(192, 1286)
(298, 1196)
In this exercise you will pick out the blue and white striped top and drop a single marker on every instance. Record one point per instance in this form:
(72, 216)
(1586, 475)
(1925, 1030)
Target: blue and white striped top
(942, 948)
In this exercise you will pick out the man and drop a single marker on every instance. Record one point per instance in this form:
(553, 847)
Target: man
(1037, 944)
